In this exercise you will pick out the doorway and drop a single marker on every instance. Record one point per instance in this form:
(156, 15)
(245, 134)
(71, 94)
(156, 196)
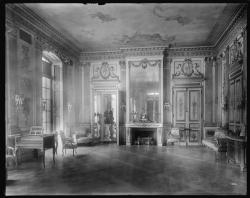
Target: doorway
(105, 118)
(187, 112)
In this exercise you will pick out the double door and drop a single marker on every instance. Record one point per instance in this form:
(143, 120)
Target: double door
(187, 113)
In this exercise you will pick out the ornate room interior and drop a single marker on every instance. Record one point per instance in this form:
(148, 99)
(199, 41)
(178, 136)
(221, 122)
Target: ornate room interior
(126, 98)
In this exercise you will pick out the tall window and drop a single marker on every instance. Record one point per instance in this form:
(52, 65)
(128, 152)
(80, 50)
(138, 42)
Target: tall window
(47, 95)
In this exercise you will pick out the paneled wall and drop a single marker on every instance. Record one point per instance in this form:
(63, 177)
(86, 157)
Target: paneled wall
(24, 50)
(23, 68)
(24, 71)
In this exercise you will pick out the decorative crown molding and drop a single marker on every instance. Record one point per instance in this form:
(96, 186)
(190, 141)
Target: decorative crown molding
(106, 55)
(143, 51)
(148, 51)
(190, 51)
(122, 53)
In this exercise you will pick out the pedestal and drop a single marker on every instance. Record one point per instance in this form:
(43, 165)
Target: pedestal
(128, 136)
(159, 136)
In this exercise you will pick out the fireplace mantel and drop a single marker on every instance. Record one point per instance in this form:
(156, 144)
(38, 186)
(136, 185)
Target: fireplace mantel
(157, 126)
(144, 125)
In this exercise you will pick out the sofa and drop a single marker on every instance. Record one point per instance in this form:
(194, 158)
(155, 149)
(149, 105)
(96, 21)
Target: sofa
(84, 137)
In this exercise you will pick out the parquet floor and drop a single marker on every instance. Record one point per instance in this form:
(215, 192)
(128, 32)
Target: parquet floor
(129, 170)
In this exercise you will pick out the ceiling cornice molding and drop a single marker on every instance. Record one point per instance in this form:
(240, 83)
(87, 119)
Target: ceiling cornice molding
(27, 17)
(147, 51)
(191, 51)
(143, 51)
(107, 55)
(236, 27)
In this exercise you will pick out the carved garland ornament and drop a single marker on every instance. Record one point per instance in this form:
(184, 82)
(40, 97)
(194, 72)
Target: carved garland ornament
(144, 63)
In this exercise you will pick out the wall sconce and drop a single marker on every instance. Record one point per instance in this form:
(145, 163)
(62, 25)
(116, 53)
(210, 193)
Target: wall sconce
(166, 106)
(19, 98)
(123, 107)
(44, 103)
(69, 107)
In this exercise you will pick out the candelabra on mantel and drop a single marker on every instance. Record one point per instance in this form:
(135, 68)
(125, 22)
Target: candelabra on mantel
(134, 115)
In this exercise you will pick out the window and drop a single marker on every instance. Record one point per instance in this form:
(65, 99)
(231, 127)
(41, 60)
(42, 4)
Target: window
(47, 96)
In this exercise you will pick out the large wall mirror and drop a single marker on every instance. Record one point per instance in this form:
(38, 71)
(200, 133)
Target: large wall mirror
(144, 91)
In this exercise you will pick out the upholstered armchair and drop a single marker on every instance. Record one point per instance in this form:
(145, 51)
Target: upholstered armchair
(173, 136)
(10, 156)
(68, 143)
(11, 150)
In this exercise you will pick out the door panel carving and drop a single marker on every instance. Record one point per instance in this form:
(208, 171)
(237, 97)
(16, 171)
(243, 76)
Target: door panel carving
(194, 111)
(180, 106)
(187, 112)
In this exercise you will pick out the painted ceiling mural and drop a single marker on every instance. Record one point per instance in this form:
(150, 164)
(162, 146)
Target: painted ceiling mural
(112, 26)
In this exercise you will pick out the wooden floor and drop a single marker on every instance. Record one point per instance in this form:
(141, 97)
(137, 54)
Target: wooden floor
(112, 169)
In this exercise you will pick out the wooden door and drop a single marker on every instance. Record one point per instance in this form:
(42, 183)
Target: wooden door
(187, 112)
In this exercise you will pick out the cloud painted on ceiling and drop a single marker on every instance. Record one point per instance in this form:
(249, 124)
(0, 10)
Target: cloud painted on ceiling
(145, 39)
(103, 17)
(111, 26)
(161, 13)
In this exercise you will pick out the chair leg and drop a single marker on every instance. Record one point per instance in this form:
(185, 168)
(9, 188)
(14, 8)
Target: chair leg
(15, 159)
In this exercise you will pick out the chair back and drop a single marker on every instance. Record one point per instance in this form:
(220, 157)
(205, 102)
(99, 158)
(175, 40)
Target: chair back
(36, 130)
(74, 138)
(14, 130)
(63, 137)
(175, 132)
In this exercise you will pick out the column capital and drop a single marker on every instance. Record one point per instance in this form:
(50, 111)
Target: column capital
(122, 64)
(85, 64)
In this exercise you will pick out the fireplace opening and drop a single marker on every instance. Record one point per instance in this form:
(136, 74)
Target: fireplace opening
(143, 136)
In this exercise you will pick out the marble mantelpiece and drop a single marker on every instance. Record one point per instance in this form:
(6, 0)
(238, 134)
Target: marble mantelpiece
(157, 126)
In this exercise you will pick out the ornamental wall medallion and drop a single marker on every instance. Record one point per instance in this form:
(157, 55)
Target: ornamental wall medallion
(188, 68)
(104, 71)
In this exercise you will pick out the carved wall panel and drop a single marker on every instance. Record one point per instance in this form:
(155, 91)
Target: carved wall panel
(105, 71)
(188, 68)
(236, 52)
(25, 74)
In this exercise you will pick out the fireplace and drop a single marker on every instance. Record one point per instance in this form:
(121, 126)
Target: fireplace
(151, 131)
(143, 136)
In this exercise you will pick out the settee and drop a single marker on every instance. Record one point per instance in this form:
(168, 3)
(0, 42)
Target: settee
(84, 137)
